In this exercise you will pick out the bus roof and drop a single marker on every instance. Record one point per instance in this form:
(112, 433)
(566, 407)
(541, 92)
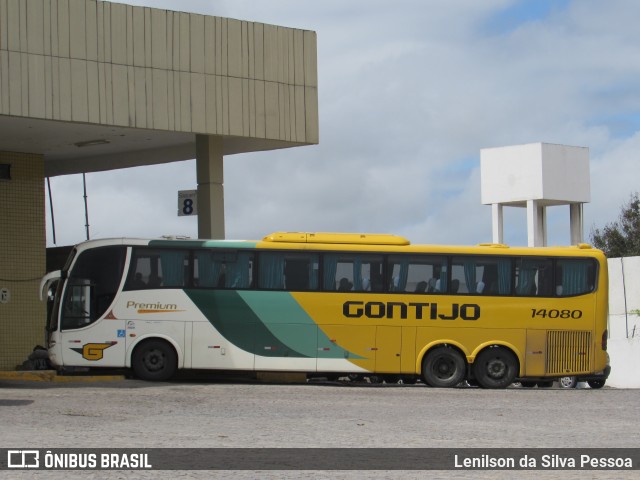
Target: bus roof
(337, 238)
(347, 241)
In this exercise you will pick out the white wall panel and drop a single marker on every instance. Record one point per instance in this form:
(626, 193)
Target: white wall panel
(198, 114)
(77, 29)
(4, 82)
(120, 98)
(3, 25)
(93, 92)
(91, 29)
(79, 91)
(140, 97)
(160, 97)
(36, 86)
(64, 88)
(138, 37)
(35, 26)
(196, 44)
(159, 39)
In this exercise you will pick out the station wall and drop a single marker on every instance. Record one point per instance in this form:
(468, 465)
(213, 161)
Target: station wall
(22, 258)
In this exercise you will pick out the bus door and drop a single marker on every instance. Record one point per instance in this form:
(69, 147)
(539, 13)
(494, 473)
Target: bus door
(86, 339)
(388, 349)
(88, 332)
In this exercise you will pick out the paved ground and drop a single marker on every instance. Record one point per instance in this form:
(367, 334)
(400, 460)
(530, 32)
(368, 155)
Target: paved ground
(131, 413)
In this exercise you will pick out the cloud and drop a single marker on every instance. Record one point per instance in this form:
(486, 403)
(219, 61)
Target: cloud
(409, 92)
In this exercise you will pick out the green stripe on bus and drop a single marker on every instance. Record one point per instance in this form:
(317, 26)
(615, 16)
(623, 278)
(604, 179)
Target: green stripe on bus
(287, 320)
(281, 329)
(238, 323)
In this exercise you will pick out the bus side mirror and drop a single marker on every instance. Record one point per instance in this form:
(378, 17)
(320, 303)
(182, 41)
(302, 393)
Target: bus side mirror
(46, 282)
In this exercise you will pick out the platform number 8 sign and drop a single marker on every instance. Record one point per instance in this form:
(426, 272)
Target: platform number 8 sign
(187, 203)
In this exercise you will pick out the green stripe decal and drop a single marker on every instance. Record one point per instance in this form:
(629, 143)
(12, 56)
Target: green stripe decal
(284, 317)
(238, 323)
(270, 324)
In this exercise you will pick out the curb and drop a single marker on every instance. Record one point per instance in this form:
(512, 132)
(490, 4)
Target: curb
(52, 376)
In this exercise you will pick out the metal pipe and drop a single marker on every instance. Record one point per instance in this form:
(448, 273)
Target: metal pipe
(53, 220)
(86, 210)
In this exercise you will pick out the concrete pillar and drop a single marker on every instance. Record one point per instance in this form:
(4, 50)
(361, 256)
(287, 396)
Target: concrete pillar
(536, 224)
(576, 215)
(497, 223)
(210, 177)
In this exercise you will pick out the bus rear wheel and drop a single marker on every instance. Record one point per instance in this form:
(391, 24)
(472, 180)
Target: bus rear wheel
(443, 367)
(596, 383)
(154, 360)
(495, 367)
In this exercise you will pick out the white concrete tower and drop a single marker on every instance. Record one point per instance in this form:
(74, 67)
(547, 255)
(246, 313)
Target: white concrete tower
(535, 176)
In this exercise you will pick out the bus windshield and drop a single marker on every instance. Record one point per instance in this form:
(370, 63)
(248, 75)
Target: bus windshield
(92, 285)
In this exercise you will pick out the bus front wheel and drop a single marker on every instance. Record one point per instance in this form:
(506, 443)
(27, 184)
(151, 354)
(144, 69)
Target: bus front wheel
(443, 367)
(154, 360)
(495, 367)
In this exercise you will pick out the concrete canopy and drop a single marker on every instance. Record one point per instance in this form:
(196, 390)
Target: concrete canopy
(67, 147)
(95, 85)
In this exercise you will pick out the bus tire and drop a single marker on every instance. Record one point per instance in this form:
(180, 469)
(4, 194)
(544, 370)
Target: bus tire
(154, 360)
(568, 382)
(495, 367)
(596, 383)
(443, 367)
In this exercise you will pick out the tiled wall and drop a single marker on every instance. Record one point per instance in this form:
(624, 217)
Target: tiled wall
(22, 257)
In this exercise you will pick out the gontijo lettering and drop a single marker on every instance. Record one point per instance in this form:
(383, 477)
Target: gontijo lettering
(419, 310)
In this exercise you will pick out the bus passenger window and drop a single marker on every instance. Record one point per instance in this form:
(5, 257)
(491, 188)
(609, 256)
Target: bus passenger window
(238, 271)
(417, 273)
(575, 276)
(534, 277)
(353, 272)
(158, 268)
(482, 275)
(288, 271)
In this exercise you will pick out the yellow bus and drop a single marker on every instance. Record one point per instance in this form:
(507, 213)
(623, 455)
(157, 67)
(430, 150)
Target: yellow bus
(332, 304)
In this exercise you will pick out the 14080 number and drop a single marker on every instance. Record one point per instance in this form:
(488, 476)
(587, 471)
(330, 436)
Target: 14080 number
(544, 313)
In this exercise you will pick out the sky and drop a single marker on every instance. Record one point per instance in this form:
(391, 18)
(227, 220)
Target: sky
(409, 93)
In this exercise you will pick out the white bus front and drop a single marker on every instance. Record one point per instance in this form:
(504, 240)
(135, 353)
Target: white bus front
(80, 329)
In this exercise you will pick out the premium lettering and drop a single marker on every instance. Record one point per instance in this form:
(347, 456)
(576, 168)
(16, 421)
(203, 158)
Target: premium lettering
(152, 306)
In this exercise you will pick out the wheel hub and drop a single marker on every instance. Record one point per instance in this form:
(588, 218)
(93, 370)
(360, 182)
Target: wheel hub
(154, 361)
(496, 369)
(443, 369)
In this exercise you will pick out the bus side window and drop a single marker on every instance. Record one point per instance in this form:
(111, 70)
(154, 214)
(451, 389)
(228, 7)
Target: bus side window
(482, 275)
(288, 271)
(534, 277)
(575, 276)
(417, 274)
(157, 268)
(222, 269)
(353, 272)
